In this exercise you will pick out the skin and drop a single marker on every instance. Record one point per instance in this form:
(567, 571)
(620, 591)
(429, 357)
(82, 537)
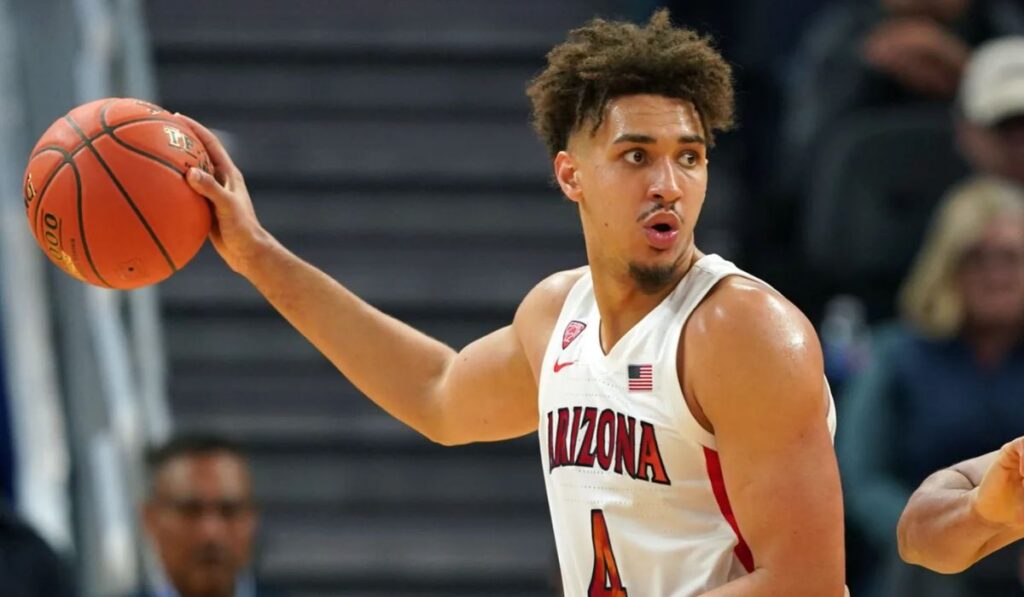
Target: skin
(962, 514)
(991, 282)
(997, 150)
(201, 521)
(647, 159)
(919, 53)
(944, 10)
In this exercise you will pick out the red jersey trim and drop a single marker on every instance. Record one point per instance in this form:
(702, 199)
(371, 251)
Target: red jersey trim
(714, 466)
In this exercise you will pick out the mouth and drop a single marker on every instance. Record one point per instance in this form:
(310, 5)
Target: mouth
(662, 230)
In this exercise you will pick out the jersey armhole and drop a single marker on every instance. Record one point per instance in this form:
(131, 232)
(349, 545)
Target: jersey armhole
(691, 427)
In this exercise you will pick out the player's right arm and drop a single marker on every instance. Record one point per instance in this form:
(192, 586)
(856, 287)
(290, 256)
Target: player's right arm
(963, 513)
(487, 391)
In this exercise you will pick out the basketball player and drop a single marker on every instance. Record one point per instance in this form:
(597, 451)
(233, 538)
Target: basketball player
(963, 513)
(684, 420)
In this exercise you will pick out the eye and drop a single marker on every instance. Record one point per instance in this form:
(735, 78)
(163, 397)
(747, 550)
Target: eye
(635, 156)
(689, 158)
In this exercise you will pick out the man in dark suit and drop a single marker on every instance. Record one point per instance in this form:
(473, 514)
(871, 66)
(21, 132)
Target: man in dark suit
(200, 517)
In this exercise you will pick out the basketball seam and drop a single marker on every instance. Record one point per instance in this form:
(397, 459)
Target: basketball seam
(81, 223)
(124, 193)
(69, 156)
(46, 185)
(107, 129)
(81, 146)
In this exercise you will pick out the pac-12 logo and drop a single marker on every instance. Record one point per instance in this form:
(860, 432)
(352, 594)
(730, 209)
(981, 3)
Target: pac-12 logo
(574, 329)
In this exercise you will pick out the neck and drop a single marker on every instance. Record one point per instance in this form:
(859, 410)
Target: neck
(622, 304)
(991, 344)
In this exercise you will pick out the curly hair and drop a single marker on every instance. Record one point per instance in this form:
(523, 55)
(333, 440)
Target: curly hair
(606, 59)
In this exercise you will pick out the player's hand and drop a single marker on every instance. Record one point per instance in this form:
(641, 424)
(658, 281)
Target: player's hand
(999, 498)
(236, 232)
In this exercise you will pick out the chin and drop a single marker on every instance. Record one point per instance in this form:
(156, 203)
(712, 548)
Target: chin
(210, 585)
(654, 277)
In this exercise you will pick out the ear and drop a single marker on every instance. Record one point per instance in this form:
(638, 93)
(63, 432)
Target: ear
(568, 176)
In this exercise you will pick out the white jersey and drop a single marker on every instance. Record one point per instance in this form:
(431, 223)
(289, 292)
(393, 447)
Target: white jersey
(634, 483)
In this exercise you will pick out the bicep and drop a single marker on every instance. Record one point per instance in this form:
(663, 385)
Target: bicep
(767, 404)
(785, 492)
(488, 392)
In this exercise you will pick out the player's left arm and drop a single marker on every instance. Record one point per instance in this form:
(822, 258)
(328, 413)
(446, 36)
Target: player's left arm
(756, 371)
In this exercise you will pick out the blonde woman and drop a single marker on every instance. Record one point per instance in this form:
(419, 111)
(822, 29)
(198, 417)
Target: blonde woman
(946, 384)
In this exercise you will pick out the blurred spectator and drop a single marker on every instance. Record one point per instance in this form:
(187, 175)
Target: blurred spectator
(862, 55)
(944, 385)
(201, 518)
(991, 109)
(28, 566)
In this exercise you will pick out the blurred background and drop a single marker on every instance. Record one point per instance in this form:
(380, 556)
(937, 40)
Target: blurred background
(388, 143)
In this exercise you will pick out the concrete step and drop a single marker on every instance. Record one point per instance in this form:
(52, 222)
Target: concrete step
(368, 86)
(400, 146)
(411, 551)
(473, 215)
(271, 342)
(410, 17)
(435, 479)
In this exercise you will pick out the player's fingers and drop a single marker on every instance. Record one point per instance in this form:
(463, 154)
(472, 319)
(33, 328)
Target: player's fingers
(221, 159)
(206, 185)
(1018, 450)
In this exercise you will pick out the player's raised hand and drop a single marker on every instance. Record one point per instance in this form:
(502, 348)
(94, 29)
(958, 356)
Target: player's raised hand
(999, 498)
(236, 233)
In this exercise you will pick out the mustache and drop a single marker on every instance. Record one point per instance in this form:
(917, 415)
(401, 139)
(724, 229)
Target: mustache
(657, 208)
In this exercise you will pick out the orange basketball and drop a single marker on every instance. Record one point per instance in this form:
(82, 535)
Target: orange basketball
(106, 196)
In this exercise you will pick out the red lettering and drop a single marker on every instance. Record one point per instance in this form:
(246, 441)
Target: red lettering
(551, 442)
(650, 456)
(586, 454)
(561, 459)
(575, 432)
(624, 452)
(605, 439)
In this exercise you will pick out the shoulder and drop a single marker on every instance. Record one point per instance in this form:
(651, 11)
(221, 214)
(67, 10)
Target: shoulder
(538, 313)
(746, 342)
(545, 300)
(743, 315)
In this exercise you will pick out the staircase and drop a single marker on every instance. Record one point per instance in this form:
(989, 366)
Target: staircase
(386, 142)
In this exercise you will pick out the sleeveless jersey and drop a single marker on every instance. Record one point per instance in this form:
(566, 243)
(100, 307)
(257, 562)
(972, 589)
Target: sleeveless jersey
(634, 484)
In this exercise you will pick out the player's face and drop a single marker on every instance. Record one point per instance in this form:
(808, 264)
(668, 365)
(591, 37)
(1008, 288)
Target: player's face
(640, 182)
(201, 521)
(992, 276)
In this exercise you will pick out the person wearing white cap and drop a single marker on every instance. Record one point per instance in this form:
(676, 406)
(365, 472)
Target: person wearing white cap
(991, 102)
(967, 511)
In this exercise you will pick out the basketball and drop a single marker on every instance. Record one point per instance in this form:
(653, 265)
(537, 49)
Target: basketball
(106, 196)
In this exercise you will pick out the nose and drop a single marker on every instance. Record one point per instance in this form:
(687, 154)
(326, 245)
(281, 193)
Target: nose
(212, 526)
(664, 187)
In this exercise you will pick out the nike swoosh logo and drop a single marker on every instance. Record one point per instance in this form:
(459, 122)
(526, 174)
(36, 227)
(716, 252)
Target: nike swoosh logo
(560, 366)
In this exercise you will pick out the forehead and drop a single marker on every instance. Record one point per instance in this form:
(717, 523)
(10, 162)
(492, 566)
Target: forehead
(219, 474)
(1007, 229)
(652, 115)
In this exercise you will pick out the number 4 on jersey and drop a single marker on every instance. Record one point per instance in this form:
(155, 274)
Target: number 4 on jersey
(604, 582)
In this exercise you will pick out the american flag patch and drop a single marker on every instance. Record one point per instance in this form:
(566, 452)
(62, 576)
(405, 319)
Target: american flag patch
(641, 378)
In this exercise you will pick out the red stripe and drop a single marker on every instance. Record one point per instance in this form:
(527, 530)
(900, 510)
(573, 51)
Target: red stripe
(742, 550)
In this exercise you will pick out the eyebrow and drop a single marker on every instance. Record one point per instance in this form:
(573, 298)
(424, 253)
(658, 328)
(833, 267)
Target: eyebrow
(648, 140)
